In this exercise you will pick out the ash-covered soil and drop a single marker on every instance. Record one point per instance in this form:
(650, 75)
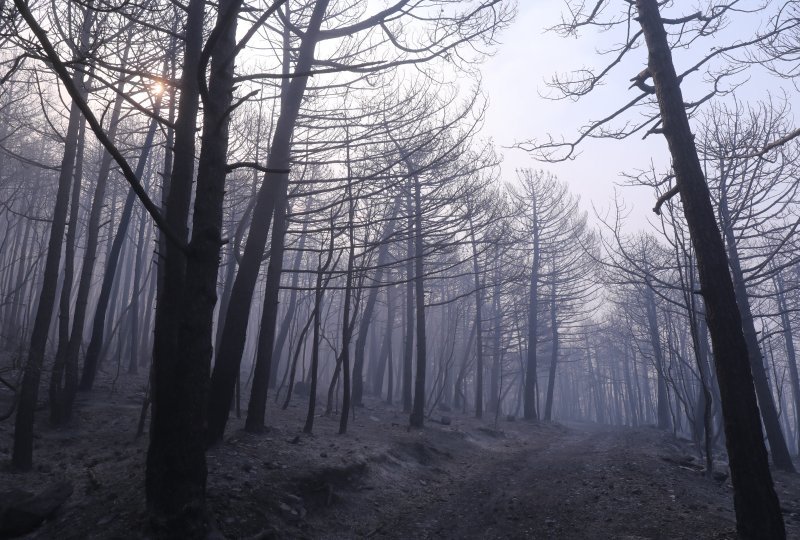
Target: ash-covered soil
(469, 479)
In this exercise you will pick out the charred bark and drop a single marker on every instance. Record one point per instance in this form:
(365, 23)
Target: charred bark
(758, 513)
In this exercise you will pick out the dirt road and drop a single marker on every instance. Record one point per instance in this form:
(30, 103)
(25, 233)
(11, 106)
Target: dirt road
(466, 479)
(580, 482)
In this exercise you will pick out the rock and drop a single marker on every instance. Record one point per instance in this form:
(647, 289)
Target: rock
(720, 474)
(446, 421)
(290, 513)
(293, 499)
(511, 418)
(26, 514)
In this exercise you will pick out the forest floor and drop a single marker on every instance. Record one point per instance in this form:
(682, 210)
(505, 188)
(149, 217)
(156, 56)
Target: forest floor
(468, 479)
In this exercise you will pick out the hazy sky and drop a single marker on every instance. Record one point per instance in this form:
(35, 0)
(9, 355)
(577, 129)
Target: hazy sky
(514, 79)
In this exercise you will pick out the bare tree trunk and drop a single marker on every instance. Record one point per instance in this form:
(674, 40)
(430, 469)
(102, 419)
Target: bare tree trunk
(312, 396)
(634, 416)
(20, 278)
(273, 190)
(662, 400)
(176, 469)
(290, 310)
(57, 412)
(703, 421)
(766, 401)
(791, 356)
(319, 292)
(478, 323)
(369, 308)
(530, 410)
(496, 375)
(599, 396)
(408, 345)
(22, 456)
(90, 253)
(458, 396)
(387, 350)
(758, 513)
(347, 324)
(133, 364)
(418, 411)
(94, 350)
(23, 428)
(551, 381)
(292, 367)
(256, 408)
(149, 308)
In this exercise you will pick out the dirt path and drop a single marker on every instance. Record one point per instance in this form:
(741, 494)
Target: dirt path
(466, 479)
(581, 482)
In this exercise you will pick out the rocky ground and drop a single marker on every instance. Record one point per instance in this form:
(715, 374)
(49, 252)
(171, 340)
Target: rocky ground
(469, 479)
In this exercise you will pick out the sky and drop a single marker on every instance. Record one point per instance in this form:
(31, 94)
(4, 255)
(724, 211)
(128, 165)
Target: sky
(514, 80)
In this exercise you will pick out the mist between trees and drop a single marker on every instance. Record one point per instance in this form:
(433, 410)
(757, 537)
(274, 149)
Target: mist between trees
(238, 203)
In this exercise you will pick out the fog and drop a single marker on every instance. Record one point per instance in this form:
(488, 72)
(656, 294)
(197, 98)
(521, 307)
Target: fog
(404, 269)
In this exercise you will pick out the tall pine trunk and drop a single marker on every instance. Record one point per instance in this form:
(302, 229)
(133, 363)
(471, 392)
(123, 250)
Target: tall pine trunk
(57, 412)
(175, 475)
(551, 380)
(418, 410)
(531, 386)
(369, 308)
(272, 191)
(478, 323)
(662, 400)
(791, 355)
(758, 512)
(766, 401)
(22, 456)
(95, 348)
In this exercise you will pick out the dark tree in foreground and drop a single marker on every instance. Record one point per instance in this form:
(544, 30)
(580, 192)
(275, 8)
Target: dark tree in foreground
(758, 513)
